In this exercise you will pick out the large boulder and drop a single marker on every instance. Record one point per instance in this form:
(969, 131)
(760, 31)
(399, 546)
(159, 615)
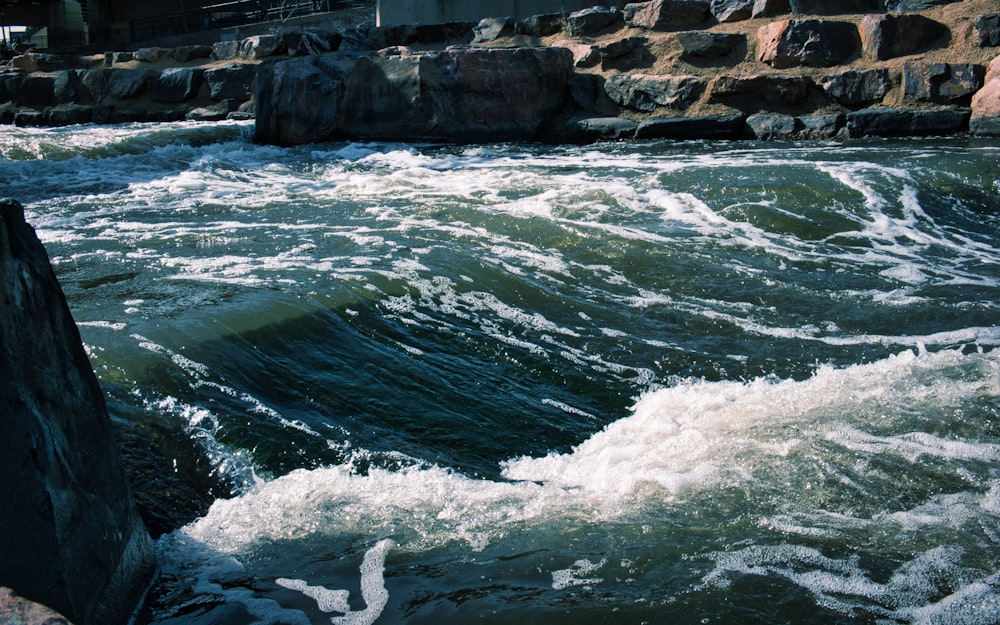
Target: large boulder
(37, 90)
(298, 100)
(467, 94)
(813, 43)
(259, 47)
(780, 127)
(985, 118)
(590, 129)
(732, 10)
(905, 6)
(176, 84)
(625, 54)
(941, 82)
(771, 90)
(770, 8)
(231, 82)
(72, 539)
(892, 122)
(645, 92)
(857, 87)
(691, 128)
(988, 30)
(493, 28)
(10, 83)
(888, 36)
(67, 86)
(703, 44)
(490, 93)
(123, 84)
(540, 25)
(668, 14)
(834, 7)
(94, 85)
(592, 21)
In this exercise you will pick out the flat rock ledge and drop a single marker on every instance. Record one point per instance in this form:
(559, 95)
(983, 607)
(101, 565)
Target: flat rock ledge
(674, 69)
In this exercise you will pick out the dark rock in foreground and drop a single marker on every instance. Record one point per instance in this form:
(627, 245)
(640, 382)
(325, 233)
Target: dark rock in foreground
(71, 537)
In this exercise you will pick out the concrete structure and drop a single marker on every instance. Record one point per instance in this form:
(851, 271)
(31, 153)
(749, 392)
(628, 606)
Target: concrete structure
(394, 12)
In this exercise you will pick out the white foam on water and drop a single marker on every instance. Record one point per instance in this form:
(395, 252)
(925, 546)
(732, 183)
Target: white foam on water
(373, 590)
(680, 443)
(574, 575)
(694, 435)
(912, 594)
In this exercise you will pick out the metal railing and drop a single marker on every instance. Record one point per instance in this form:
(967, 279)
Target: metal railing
(230, 14)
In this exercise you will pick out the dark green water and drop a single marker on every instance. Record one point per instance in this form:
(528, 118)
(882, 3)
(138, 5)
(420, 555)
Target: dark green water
(624, 383)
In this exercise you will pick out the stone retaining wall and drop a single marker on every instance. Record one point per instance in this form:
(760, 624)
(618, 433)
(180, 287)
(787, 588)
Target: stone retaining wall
(730, 68)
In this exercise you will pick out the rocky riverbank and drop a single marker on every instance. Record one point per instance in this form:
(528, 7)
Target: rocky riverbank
(765, 69)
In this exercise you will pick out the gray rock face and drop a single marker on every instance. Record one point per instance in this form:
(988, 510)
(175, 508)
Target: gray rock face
(492, 28)
(689, 128)
(988, 30)
(888, 36)
(71, 538)
(35, 90)
(766, 89)
(589, 22)
(176, 84)
(941, 82)
(702, 44)
(540, 25)
(625, 54)
(645, 92)
(890, 122)
(770, 8)
(778, 127)
(903, 6)
(588, 129)
(298, 101)
(855, 88)
(731, 10)
(231, 82)
(813, 43)
(668, 14)
(463, 94)
(128, 83)
(834, 7)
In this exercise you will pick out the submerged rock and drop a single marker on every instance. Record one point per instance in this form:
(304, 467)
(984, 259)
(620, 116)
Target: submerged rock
(72, 539)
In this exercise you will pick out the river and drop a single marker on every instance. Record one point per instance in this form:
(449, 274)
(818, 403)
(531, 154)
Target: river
(621, 383)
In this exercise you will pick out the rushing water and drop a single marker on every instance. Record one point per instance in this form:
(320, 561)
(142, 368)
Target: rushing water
(623, 383)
